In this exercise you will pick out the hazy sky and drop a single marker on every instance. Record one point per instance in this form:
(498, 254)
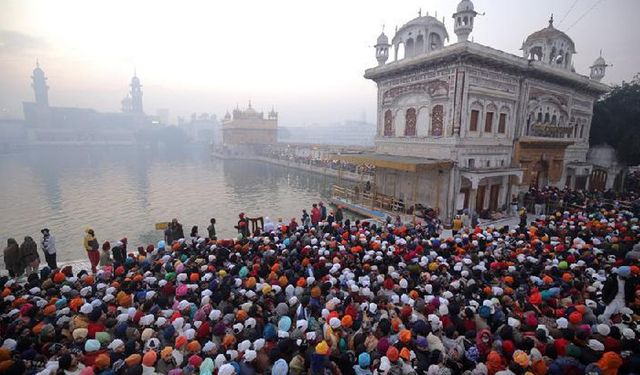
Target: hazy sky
(306, 58)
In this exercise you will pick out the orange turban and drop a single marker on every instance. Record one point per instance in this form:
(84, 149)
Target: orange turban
(124, 299)
(316, 292)
(102, 361)
(75, 303)
(241, 315)
(251, 283)
(393, 354)
(228, 341)
(49, 310)
(58, 277)
(194, 277)
(194, 347)
(133, 360)
(405, 354)
(347, 321)
(149, 358)
(405, 336)
(180, 341)
(283, 281)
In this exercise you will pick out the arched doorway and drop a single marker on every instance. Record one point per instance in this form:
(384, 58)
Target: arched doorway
(541, 169)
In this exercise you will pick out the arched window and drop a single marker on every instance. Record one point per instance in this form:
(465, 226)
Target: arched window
(539, 117)
(436, 120)
(419, 47)
(435, 41)
(546, 118)
(409, 51)
(399, 52)
(554, 120)
(388, 123)
(410, 123)
(466, 20)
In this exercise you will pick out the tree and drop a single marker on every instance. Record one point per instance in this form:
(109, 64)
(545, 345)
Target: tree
(616, 121)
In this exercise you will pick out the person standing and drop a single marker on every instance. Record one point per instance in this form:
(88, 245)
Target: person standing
(48, 245)
(306, 219)
(514, 205)
(339, 216)
(12, 258)
(120, 252)
(323, 211)
(456, 225)
(105, 256)
(315, 215)
(212, 229)
(91, 246)
(243, 225)
(29, 255)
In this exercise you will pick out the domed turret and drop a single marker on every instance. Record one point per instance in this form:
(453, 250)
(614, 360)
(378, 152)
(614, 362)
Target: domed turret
(599, 68)
(463, 20)
(419, 36)
(382, 48)
(550, 46)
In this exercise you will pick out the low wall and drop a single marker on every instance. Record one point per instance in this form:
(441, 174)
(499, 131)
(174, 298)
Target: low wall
(301, 166)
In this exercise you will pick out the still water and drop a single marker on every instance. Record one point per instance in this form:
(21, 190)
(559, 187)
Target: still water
(124, 191)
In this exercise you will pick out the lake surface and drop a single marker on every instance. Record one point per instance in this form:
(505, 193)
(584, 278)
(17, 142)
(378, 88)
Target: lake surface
(124, 191)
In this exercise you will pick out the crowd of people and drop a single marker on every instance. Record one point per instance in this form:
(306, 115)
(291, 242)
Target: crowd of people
(317, 161)
(558, 295)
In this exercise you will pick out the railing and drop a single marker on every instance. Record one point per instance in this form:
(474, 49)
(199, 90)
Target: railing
(370, 199)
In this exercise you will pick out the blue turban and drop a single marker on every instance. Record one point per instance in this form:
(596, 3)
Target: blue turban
(364, 360)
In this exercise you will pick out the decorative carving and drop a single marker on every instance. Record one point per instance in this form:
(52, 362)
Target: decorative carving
(437, 88)
(388, 123)
(550, 130)
(436, 120)
(410, 127)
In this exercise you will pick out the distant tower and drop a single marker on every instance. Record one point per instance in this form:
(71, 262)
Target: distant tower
(40, 87)
(382, 48)
(598, 69)
(463, 20)
(136, 95)
(273, 115)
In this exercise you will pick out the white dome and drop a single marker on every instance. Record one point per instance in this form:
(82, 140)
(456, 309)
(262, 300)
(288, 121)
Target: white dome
(599, 61)
(548, 34)
(465, 5)
(382, 39)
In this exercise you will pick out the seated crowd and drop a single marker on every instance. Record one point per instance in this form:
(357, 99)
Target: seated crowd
(559, 295)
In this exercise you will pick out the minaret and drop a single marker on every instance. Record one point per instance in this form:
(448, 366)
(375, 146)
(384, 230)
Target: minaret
(136, 94)
(40, 87)
(598, 69)
(382, 48)
(463, 20)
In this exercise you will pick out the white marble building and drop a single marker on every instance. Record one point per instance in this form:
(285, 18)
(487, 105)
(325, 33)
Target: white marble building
(483, 123)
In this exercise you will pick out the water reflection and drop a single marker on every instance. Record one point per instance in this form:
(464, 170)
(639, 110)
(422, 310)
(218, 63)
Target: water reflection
(124, 191)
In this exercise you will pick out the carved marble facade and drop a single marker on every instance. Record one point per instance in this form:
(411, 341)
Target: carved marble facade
(505, 121)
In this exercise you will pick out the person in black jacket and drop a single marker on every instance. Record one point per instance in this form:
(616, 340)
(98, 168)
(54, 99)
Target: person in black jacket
(618, 290)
